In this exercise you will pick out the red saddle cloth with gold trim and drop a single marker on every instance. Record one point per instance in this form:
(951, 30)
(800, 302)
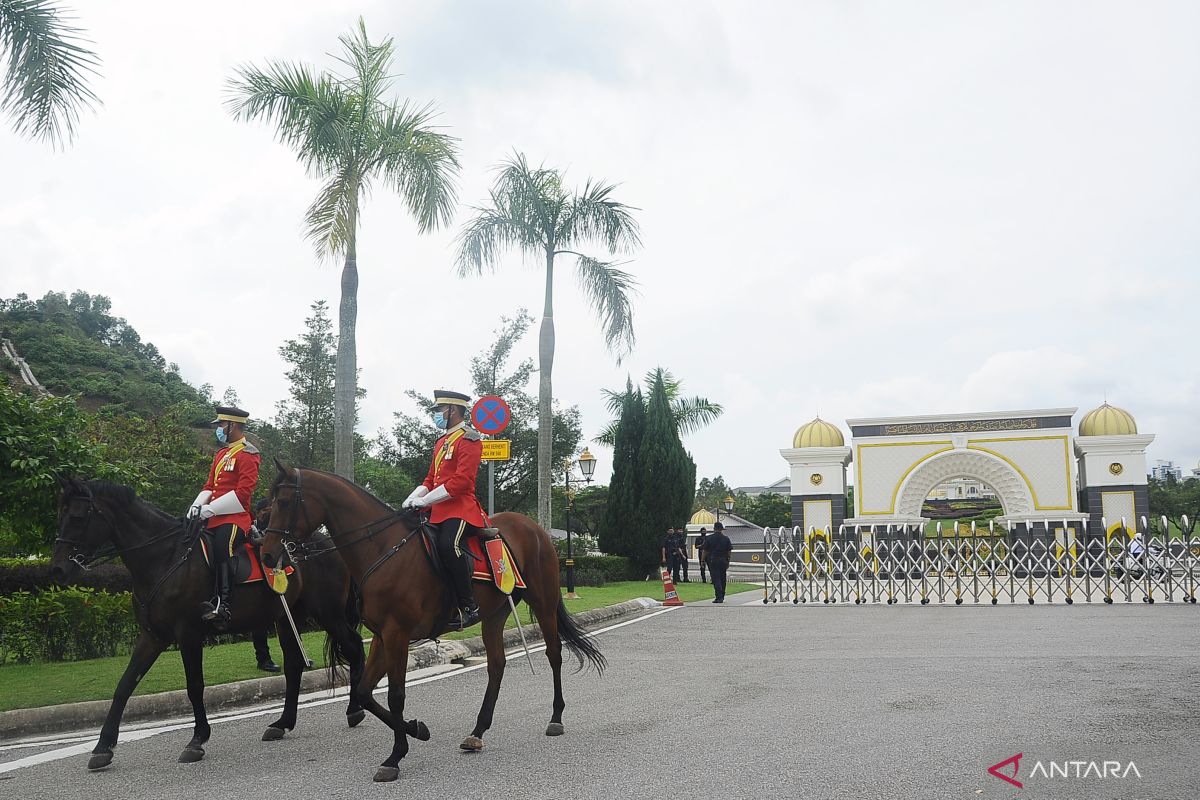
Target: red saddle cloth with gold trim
(246, 566)
(494, 563)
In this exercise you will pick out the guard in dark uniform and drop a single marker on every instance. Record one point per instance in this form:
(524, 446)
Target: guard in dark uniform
(224, 503)
(702, 553)
(449, 493)
(719, 550)
(672, 553)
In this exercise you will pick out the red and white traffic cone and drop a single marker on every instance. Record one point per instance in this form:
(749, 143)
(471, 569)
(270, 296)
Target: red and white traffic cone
(670, 596)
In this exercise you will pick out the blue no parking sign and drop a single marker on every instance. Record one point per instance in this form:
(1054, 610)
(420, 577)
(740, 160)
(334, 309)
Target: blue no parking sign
(490, 415)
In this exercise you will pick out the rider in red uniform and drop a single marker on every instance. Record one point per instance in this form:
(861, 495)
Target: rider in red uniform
(449, 494)
(224, 503)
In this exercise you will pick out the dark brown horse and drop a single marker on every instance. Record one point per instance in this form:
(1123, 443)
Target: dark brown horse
(404, 599)
(171, 579)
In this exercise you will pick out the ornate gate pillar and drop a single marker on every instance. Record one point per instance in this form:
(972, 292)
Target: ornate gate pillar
(818, 458)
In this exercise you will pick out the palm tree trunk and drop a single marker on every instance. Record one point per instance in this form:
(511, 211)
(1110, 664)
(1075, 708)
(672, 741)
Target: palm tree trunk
(546, 396)
(346, 369)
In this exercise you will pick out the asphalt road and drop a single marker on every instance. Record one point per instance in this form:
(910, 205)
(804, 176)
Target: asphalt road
(746, 701)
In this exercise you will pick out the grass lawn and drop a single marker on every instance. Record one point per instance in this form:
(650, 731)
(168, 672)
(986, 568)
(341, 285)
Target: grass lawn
(32, 685)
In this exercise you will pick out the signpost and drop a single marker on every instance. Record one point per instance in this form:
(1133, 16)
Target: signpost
(490, 415)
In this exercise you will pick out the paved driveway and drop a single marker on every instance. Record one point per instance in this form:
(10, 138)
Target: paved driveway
(747, 701)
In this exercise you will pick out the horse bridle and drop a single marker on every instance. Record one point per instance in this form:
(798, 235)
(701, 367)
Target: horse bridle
(79, 555)
(292, 546)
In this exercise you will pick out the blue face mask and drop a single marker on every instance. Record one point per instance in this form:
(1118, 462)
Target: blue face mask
(221, 435)
(439, 419)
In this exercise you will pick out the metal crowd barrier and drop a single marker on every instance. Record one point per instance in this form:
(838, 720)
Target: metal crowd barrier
(1025, 563)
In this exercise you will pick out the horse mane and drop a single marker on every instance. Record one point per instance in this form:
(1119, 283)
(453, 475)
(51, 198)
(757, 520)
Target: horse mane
(120, 494)
(406, 515)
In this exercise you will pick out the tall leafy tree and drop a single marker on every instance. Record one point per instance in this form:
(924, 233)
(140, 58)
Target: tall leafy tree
(529, 210)
(48, 67)
(305, 419)
(711, 494)
(624, 531)
(690, 413)
(350, 134)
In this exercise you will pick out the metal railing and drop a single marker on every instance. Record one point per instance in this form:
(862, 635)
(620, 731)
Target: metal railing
(1025, 563)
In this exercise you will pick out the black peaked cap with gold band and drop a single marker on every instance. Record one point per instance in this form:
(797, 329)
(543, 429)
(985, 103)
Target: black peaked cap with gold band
(231, 414)
(445, 397)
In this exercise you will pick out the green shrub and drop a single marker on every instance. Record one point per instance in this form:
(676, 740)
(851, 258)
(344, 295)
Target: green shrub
(612, 568)
(65, 625)
(22, 575)
(584, 577)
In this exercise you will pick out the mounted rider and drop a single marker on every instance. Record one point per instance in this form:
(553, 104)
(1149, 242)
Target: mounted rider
(224, 503)
(449, 494)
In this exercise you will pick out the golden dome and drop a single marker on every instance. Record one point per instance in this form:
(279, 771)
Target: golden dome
(818, 433)
(702, 517)
(1107, 421)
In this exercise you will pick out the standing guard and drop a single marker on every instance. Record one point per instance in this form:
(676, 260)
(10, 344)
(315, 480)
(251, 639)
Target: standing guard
(224, 503)
(449, 494)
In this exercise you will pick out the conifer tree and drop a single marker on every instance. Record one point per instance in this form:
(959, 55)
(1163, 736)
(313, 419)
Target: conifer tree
(623, 532)
(668, 474)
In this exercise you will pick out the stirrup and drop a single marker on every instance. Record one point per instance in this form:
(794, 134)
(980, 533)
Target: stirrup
(489, 533)
(467, 617)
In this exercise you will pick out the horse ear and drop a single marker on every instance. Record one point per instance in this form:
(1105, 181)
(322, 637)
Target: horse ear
(284, 470)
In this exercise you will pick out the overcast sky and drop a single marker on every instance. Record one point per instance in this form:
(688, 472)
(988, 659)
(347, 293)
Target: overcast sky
(848, 208)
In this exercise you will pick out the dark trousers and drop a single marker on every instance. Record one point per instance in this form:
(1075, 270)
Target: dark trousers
(717, 570)
(261, 652)
(684, 561)
(703, 563)
(673, 563)
(452, 547)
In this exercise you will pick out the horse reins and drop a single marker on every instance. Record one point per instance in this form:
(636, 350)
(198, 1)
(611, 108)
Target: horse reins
(290, 544)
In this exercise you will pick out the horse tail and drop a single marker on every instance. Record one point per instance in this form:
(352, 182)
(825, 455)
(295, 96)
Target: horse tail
(581, 643)
(336, 655)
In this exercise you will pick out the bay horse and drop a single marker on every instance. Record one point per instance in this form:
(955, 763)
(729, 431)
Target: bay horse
(404, 599)
(170, 581)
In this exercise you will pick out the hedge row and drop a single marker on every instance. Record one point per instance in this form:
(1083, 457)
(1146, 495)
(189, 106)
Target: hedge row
(65, 625)
(596, 570)
(21, 575)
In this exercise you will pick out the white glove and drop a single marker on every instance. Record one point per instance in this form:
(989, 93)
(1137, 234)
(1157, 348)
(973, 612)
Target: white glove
(200, 500)
(436, 496)
(417, 494)
(225, 504)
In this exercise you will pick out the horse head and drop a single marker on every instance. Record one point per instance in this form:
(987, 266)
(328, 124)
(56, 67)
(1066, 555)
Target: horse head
(82, 529)
(290, 519)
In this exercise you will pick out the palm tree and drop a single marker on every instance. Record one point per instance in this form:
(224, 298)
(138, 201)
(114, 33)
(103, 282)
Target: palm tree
(530, 211)
(690, 413)
(347, 134)
(46, 80)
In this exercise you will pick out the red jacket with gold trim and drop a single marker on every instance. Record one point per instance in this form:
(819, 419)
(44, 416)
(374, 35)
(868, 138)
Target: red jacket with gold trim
(455, 466)
(234, 469)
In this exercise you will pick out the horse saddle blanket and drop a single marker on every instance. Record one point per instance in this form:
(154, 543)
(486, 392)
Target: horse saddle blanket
(246, 566)
(493, 561)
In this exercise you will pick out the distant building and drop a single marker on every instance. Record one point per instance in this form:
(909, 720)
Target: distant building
(1162, 470)
(961, 489)
(782, 486)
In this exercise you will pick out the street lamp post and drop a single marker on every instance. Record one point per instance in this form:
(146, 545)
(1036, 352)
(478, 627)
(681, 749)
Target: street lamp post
(587, 467)
(728, 507)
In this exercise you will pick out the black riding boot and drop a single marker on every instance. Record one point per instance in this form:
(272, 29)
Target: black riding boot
(220, 613)
(468, 609)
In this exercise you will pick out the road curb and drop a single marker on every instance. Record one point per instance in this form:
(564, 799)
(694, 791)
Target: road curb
(25, 723)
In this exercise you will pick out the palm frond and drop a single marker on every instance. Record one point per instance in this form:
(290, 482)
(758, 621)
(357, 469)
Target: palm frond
(608, 290)
(46, 78)
(532, 195)
(594, 216)
(608, 436)
(312, 114)
(693, 413)
(419, 162)
(369, 64)
(332, 218)
(485, 237)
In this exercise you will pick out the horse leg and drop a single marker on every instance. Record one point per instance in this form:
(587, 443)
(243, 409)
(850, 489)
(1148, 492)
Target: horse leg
(396, 652)
(493, 640)
(192, 652)
(350, 642)
(548, 622)
(293, 669)
(146, 651)
(372, 674)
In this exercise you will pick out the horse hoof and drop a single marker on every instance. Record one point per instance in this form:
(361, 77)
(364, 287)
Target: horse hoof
(422, 734)
(273, 734)
(100, 760)
(472, 744)
(191, 755)
(386, 774)
(355, 717)
(554, 729)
